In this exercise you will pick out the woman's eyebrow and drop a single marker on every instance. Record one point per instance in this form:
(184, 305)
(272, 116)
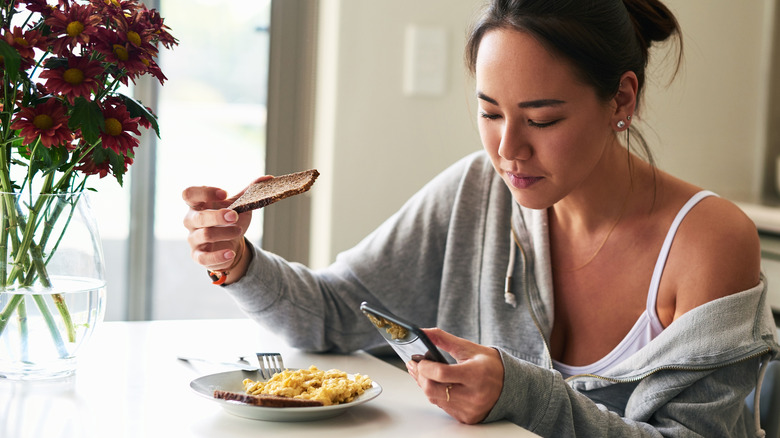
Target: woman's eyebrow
(539, 103)
(486, 98)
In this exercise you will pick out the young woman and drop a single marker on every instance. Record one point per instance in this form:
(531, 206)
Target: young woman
(637, 306)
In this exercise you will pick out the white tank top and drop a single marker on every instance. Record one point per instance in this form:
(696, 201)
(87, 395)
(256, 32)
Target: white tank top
(648, 326)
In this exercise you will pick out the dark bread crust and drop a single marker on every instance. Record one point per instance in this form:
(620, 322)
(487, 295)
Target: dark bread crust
(275, 189)
(272, 401)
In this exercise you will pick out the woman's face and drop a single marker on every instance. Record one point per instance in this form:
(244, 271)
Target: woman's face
(545, 131)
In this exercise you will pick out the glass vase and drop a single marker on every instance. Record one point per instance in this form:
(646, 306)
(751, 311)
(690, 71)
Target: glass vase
(53, 286)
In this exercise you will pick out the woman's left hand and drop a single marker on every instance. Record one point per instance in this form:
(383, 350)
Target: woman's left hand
(467, 390)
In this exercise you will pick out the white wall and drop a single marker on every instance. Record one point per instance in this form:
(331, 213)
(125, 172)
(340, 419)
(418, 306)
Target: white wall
(709, 126)
(375, 146)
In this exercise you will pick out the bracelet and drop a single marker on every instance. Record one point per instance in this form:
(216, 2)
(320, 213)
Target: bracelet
(219, 276)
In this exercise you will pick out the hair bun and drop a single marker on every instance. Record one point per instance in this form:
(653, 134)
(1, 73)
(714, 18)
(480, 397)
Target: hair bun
(652, 21)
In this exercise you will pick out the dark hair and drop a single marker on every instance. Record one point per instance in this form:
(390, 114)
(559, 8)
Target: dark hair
(602, 39)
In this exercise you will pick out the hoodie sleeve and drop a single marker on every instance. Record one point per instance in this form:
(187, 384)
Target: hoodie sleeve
(665, 404)
(398, 266)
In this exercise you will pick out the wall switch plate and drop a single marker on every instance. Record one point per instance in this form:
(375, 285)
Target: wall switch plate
(425, 63)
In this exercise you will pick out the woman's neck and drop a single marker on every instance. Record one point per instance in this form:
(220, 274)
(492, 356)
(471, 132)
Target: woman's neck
(603, 197)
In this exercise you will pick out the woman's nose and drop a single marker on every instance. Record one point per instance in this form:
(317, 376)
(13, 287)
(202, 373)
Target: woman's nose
(514, 145)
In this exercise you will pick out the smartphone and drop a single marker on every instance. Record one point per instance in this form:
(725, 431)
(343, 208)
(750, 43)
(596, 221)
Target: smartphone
(408, 340)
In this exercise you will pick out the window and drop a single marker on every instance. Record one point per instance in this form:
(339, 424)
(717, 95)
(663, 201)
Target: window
(212, 115)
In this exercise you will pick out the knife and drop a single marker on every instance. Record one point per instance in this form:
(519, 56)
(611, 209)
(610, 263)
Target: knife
(237, 365)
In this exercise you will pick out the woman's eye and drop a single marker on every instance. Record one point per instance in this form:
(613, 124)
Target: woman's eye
(488, 116)
(543, 124)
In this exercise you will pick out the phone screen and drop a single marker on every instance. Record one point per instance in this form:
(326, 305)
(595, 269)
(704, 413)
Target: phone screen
(408, 340)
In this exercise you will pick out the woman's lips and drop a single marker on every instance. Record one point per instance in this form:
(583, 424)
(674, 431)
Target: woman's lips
(521, 181)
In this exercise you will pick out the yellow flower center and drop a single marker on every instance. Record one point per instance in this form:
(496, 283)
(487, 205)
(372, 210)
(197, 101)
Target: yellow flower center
(121, 52)
(21, 41)
(134, 38)
(73, 76)
(113, 126)
(74, 29)
(112, 2)
(43, 122)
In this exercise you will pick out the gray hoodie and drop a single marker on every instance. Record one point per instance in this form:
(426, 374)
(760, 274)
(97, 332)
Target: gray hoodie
(442, 259)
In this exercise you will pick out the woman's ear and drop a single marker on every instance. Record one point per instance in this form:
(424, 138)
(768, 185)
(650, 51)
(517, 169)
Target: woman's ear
(625, 101)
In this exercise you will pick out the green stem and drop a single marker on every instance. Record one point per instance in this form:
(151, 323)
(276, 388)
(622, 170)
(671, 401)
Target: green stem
(62, 307)
(26, 246)
(27, 237)
(10, 217)
(5, 314)
(48, 225)
(67, 177)
(3, 246)
(21, 313)
(39, 264)
(49, 318)
(59, 302)
(32, 154)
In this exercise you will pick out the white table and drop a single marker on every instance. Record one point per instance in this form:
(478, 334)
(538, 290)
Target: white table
(131, 384)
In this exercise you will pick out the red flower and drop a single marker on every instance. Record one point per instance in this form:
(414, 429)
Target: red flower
(137, 30)
(99, 163)
(118, 126)
(114, 8)
(72, 57)
(75, 25)
(143, 121)
(154, 70)
(131, 40)
(40, 6)
(87, 166)
(25, 43)
(47, 121)
(78, 78)
(119, 51)
(160, 30)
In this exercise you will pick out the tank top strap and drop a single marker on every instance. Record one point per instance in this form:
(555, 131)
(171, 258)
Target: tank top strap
(660, 264)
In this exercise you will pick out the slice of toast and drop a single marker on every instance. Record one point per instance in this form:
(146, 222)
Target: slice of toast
(260, 194)
(273, 401)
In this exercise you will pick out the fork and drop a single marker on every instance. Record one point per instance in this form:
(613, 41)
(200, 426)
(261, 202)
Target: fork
(270, 364)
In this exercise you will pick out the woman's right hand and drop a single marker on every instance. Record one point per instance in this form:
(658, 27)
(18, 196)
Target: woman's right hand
(216, 233)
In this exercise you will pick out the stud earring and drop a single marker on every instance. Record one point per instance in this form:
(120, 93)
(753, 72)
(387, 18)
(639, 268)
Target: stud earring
(621, 124)
(628, 118)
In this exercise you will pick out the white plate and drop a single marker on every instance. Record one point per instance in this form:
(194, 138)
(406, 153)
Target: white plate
(232, 381)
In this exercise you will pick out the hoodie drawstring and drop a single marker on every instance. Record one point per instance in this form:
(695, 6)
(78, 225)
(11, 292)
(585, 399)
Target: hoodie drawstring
(514, 244)
(760, 433)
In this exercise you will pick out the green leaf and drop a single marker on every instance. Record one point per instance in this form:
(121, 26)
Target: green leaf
(115, 161)
(54, 63)
(22, 150)
(117, 166)
(88, 117)
(137, 109)
(11, 59)
(48, 160)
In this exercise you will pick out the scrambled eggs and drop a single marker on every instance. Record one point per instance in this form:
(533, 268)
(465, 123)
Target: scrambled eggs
(329, 387)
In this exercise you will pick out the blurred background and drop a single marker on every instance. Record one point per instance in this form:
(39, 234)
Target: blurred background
(374, 95)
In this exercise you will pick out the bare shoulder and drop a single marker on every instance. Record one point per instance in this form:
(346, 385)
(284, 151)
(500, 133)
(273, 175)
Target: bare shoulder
(715, 253)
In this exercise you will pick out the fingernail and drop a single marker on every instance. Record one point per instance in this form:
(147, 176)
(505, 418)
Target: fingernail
(229, 255)
(231, 216)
